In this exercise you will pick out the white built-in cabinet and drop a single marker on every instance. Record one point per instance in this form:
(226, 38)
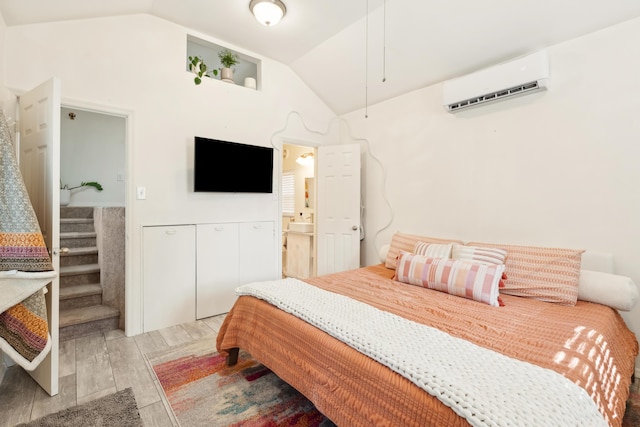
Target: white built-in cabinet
(218, 265)
(168, 275)
(257, 254)
(228, 255)
(191, 271)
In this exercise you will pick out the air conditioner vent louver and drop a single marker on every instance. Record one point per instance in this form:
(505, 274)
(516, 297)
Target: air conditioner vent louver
(517, 77)
(516, 90)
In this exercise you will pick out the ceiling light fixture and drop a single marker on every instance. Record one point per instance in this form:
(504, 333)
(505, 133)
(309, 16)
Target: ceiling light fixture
(268, 12)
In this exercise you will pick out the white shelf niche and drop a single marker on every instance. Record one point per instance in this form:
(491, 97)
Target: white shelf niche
(208, 52)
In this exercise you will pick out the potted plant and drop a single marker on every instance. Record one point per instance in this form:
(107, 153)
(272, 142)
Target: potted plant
(65, 190)
(199, 68)
(228, 59)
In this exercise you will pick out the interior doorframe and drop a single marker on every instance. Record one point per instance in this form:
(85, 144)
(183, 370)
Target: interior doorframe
(129, 193)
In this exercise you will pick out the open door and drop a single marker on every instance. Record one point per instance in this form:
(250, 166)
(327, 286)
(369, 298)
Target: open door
(338, 211)
(39, 118)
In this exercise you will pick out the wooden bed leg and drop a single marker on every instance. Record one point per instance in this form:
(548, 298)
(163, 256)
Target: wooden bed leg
(232, 357)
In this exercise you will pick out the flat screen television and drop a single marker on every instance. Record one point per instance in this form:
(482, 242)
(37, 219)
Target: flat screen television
(231, 167)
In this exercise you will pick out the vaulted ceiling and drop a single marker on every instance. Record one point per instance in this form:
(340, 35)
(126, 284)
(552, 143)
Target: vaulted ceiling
(344, 49)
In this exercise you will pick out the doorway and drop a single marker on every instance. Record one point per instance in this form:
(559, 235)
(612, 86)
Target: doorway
(93, 149)
(298, 211)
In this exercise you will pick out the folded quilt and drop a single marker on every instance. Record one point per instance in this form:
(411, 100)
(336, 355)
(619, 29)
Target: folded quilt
(24, 331)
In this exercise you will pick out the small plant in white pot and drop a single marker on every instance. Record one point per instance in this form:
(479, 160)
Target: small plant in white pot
(65, 190)
(228, 60)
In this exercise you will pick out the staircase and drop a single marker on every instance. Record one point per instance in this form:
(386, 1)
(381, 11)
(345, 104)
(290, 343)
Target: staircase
(81, 309)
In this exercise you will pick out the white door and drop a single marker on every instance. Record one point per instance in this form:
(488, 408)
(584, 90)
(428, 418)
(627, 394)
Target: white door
(39, 118)
(338, 211)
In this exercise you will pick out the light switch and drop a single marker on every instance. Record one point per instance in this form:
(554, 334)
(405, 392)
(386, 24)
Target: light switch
(141, 193)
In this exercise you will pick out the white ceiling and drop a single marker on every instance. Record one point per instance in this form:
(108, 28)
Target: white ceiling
(414, 44)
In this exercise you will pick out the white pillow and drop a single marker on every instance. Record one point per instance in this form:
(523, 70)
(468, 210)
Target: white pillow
(619, 292)
(382, 253)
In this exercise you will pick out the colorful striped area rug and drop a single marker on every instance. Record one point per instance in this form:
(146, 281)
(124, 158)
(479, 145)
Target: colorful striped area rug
(202, 391)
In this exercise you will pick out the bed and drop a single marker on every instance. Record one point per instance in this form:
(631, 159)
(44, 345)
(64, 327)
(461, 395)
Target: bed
(584, 343)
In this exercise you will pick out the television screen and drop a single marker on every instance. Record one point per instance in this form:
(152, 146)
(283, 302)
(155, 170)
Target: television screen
(231, 167)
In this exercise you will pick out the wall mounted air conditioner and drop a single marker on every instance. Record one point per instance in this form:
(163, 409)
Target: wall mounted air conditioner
(518, 77)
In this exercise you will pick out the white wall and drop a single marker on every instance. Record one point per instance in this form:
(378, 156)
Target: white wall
(559, 168)
(136, 64)
(92, 148)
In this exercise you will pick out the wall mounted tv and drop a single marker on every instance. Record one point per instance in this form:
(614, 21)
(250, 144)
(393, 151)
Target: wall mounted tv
(231, 167)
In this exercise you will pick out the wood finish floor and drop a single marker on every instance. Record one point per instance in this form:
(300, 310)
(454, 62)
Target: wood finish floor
(98, 365)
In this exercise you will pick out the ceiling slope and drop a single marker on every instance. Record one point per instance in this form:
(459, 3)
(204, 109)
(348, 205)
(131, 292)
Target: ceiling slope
(343, 56)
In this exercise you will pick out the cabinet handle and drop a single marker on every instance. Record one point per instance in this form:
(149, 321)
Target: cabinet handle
(219, 228)
(170, 232)
(257, 226)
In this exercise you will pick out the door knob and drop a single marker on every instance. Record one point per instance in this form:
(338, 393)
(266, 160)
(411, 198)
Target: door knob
(354, 228)
(60, 251)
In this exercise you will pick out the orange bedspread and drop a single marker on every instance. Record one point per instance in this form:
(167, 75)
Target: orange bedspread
(588, 343)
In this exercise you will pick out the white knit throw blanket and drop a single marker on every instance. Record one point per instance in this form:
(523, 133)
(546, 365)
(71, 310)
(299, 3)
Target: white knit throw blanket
(484, 387)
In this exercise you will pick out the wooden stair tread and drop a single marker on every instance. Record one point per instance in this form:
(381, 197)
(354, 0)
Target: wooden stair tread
(77, 234)
(72, 270)
(90, 250)
(78, 316)
(80, 291)
(76, 220)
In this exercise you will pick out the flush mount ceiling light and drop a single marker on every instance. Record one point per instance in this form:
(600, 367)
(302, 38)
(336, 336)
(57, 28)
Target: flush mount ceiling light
(268, 12)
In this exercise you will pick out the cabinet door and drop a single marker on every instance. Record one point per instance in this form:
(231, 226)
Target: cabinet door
(217, 271)
(299, 255)
(257, 252)
(168, 275)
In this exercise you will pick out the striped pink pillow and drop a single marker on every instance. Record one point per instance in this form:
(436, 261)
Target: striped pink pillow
(433, 250)
(545, 274)
(465, 279)
(479, 254)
